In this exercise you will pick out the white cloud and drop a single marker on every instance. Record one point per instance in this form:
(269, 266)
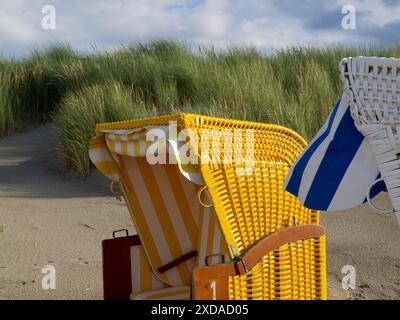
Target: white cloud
(209, 22)
(264, 23)
(12, 28)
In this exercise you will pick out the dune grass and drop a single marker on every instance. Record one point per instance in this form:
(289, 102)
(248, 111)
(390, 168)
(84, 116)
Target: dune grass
(295, 87)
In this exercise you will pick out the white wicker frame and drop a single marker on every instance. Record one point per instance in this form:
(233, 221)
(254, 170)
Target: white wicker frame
(372, 87)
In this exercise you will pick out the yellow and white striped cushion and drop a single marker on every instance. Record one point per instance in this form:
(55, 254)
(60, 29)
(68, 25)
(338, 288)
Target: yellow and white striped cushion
(171, 293)
(211, 240)
(166, 214)
(143, 278)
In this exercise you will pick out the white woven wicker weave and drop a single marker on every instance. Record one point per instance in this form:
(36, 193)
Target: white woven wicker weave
(372, 86)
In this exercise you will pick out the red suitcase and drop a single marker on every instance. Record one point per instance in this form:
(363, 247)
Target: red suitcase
(117, 266)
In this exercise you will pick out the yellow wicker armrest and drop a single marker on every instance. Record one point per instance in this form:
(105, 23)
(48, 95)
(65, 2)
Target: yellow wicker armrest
(216, 282)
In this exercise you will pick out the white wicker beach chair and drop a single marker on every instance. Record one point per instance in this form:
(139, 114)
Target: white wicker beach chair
(372, 86)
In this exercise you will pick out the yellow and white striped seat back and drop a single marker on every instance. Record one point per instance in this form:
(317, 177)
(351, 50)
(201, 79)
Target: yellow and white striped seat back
(166, 214)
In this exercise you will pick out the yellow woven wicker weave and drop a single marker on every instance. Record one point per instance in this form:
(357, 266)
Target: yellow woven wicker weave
(250, 203)
(294, 272)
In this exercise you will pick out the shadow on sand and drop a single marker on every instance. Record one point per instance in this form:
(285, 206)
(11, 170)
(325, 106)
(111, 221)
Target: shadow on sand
(25, 169)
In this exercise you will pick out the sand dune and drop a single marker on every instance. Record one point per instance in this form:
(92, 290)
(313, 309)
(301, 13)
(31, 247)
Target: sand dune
(45, 219)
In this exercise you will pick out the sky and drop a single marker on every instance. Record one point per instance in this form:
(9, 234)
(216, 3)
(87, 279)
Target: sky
(265, 24)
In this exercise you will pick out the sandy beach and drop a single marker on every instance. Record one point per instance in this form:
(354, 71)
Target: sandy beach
(46, 219)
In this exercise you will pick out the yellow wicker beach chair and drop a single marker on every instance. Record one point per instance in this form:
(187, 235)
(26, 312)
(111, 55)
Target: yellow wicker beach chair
(206, 197)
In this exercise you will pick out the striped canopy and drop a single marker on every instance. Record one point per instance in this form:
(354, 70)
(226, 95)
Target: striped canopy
(337, 168)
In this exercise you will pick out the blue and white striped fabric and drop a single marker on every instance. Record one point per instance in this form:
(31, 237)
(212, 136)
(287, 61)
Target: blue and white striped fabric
(338, 166)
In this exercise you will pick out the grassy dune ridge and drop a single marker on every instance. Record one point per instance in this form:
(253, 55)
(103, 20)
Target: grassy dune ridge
(294, 87)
